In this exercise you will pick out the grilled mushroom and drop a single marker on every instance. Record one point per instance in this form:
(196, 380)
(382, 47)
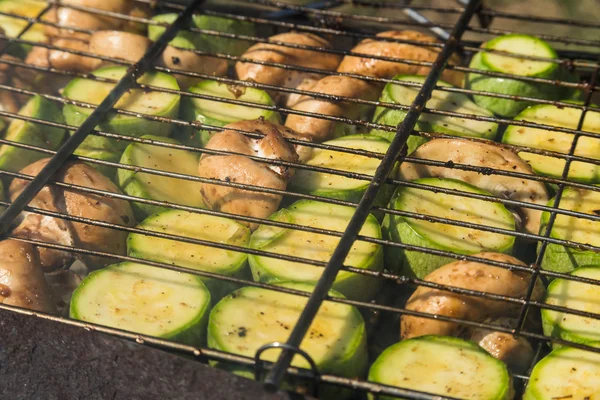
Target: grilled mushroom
(366, 65)
(22, 282)
(68, 18)
(322, 129)
(274, 53)
(515, 352)
(118, 44)
(78, 204)
(484, 155)
(176, 58)
(242, 170)
(471, 275)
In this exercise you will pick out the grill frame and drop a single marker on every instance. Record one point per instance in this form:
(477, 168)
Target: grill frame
(275, 373)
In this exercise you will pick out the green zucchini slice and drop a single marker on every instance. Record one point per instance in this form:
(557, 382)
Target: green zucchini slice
(440, 100)
(15, 158)
(216, 113)
(251, 317)
(445, 366)
(559, 258)
(156, 187)
(338, 186)
(520, 45)
(12, 26)
(151, 102)
(447, 237)
(575, 296)
(216, 44)
(566, 373)
(559, 142)
(146, 300)
(319, 247)
(194, 256)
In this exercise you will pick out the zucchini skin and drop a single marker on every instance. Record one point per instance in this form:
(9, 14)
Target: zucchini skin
(353, 286)
(351, 364)
(505, 394)
(532, 392)
(414, 263)
(14, 158)
(506, 107)
(193, 333)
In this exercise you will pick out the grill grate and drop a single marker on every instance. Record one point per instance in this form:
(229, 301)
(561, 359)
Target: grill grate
(330, 25)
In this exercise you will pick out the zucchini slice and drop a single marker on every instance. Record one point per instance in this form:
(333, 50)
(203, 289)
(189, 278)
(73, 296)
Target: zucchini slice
(146, 300)
(203, 258)
(193, 40)
(575, 296)
(156, 187)
(440, 100)
(447, 237)
(520, 45)
(560, 142)
(560, 258)
(218, 113)
(442, 365)
(15, 158)
(152, 102)
(337, 186)
(251, 317)
(12, 26)
(315, 246)
(566, 373)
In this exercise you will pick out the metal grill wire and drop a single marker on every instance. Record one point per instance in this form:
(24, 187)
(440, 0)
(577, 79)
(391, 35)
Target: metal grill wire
(585, 63)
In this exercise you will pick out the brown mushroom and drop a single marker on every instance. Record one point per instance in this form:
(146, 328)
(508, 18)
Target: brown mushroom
(22, 281)
(274, 53)
(485, 155)
(365, 65)
(242, 170)
(323, 129)
(80, 204)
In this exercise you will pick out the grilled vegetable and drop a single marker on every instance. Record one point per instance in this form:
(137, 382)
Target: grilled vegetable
(292, 242)
(215, 44)
(485, 155)
(520, 45)
(157, 187)
(338, 186)
(561, 258)
(15, 158)
(118, 44)
(12, 26)
(565, 373)
(137, 100)
(79, 204)
(439, 100)
(323, 129)
(559, 142)
(217, 113)
(470, 275)
(203, 258)
(515, 351)
(242, 170)
(447, 237)
(251, 317)
(143, 299)
(22, 282)
(274, 53)
(67, 18)
(445, 366)
(178, 56)
(574, 296)
(397, 44)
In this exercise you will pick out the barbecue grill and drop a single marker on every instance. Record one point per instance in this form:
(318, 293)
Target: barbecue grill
(461, 26)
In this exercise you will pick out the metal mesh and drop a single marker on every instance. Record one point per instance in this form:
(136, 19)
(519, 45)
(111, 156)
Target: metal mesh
(451, 23)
